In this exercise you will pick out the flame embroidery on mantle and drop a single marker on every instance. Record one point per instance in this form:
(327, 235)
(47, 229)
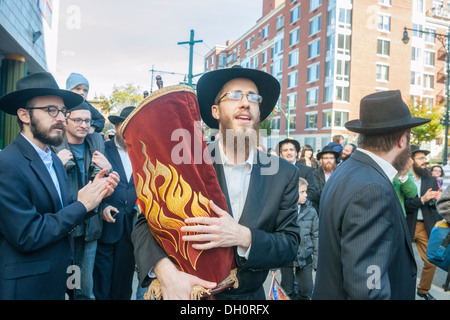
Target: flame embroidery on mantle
(163, 185)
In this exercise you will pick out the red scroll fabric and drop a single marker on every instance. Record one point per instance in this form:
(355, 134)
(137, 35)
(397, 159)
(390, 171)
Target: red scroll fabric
(174, 177)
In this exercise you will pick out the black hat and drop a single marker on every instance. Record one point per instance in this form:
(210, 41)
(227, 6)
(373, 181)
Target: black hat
(123, 115)
(210, 84)
(415, 149)
(37, 85)
(289, 140)
(384, 112)
(83, 106)
(327, 149)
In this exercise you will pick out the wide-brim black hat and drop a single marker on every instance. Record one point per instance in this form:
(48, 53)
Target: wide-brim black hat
(37, 85)
(327, 149)
(123, 115)
(289, 140)
(210, 84)
(415, 149)
(384, 112)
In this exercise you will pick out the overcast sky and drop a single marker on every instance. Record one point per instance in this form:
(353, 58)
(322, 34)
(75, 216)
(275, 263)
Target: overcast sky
(116, 42)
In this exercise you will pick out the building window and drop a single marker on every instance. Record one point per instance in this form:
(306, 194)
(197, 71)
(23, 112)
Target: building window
(385, 2)
(382, 72)
(278, 47)
(264, 57)
(248, 43)
(345, 18)
(417, 28)
(314, 4)
(428, 58)
(292, 122)
(294, 37)
(430, 37)
(415, 78)
(275, 123)
(314, 49)
(343, 46)
(293, 58)
(292, 79)
(313, 72)
(280, 23)
(255, 62)
(428, 81)
(311, 121)
(312, 96)
(327, 120)
(340, 118)
(292, 100)
(342, 93)
(383, 47)
(265, 33)
(295, 14)
(328, 94)
(343, 70)
(315, 24)
(384, 22)
(416, 54)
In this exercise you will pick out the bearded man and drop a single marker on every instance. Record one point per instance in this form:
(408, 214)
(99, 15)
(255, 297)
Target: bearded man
(421, 216)
(37, 211)
(365, 250)
(328, 163)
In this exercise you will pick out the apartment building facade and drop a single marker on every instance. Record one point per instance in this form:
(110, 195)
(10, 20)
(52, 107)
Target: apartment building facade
(327, 55)
(28, 44)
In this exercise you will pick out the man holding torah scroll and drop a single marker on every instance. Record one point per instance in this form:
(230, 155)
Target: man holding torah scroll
(257, 221)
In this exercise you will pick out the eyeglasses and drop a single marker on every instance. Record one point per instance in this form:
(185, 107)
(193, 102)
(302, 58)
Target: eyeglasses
(53, 111)
(237, 96)
(80, 121)
(421, 158)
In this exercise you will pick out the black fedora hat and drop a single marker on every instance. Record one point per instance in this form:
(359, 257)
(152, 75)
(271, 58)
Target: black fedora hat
(37, 85)
(384, 112)
(210, 84)
(123, 115)
(327, 149)
(289, 140)
(415, 149)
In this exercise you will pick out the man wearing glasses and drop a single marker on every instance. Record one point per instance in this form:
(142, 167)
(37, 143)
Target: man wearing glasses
(261, 222)
(83, 156)
(37, 210)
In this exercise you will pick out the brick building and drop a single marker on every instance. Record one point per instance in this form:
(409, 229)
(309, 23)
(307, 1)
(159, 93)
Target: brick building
(327, 55)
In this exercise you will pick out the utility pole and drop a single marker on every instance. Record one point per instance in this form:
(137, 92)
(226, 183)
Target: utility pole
(162, 72)
(191, 43)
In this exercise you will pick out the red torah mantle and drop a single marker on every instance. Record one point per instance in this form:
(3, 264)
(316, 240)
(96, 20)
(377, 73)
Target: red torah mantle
(175, 178)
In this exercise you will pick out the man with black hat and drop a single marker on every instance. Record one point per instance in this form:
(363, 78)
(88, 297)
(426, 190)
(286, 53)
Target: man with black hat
(289, 149)
(421, 216)
(365, 249)
(328, 163)
(86, 154)
(261, 223)
(37, 211)
(114, 261)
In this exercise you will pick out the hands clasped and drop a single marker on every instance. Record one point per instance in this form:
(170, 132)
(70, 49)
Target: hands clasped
(95, 191)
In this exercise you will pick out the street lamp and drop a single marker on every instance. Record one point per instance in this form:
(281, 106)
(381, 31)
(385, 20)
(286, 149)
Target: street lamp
(445, 40)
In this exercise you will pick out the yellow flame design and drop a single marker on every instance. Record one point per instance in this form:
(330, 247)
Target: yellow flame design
(163, 184)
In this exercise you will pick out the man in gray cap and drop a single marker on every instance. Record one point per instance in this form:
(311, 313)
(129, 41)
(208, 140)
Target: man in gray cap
(365, 248)
(37, 211)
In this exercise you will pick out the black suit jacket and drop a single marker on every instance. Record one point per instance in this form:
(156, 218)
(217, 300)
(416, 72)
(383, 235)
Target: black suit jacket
(123, 198)
(412, 205)
(364, 247)
(35, 247)
(270, 212)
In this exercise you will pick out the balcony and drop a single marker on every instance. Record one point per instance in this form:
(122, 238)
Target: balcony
(439, 13)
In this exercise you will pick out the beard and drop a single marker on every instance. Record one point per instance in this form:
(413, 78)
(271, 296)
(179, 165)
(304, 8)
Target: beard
(238, 141)
(421, 172)
(43, 136)
(402, 160)
(328, 167)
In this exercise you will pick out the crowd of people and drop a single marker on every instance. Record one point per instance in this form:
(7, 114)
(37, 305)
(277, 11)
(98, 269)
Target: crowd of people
(68, 200)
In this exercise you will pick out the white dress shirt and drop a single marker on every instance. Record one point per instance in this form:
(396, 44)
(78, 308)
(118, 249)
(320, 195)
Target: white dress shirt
(387, 168)
(126, 162)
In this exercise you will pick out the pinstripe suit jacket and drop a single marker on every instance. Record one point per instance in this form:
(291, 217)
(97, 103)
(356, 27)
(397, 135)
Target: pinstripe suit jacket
(364, 246)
